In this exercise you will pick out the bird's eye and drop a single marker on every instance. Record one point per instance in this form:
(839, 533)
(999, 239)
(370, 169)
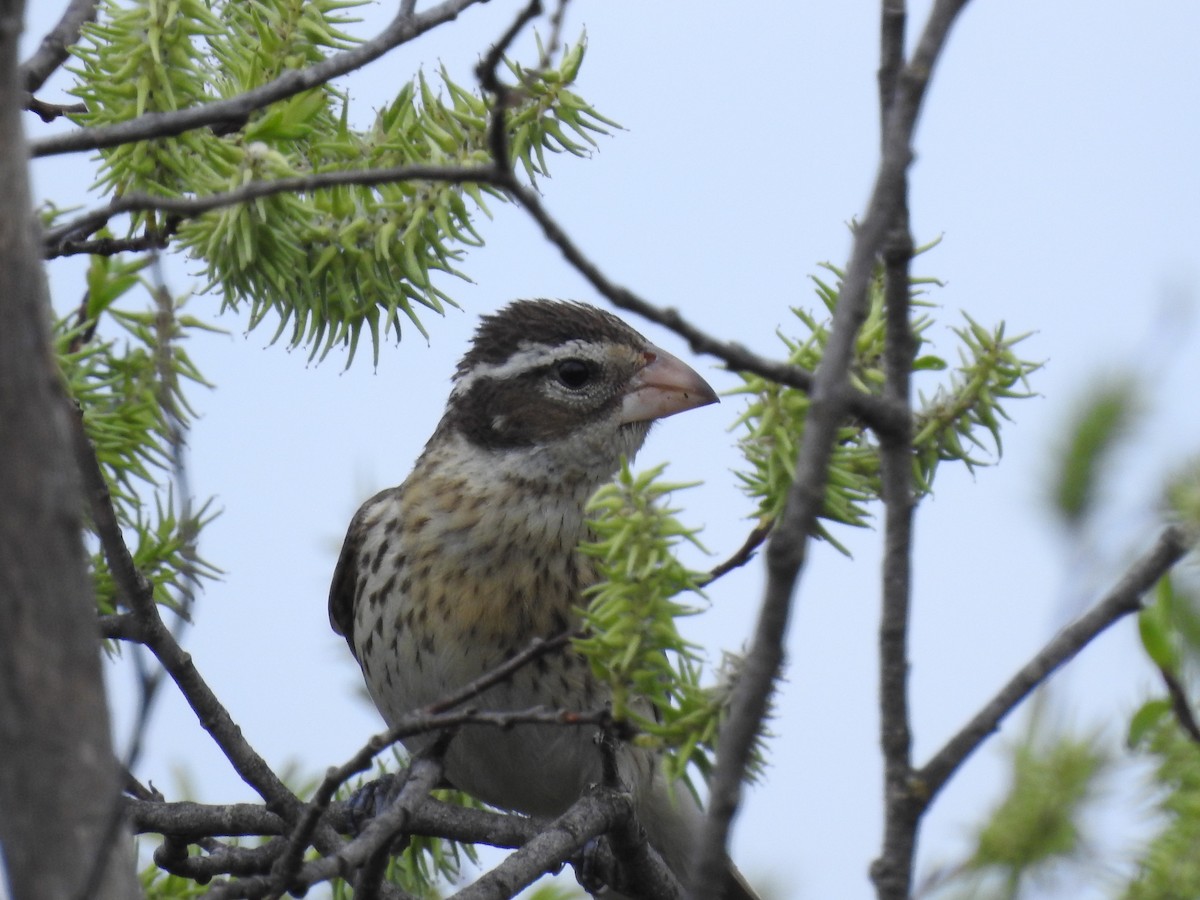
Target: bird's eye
(573, 373)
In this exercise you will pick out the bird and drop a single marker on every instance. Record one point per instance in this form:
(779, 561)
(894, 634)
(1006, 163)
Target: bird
(448, 575)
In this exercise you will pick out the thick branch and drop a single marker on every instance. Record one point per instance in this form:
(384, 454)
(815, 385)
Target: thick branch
(167, 124)
(1123, 599)
(59, 779)
(370, 863)
(892, 872)
(594, 814)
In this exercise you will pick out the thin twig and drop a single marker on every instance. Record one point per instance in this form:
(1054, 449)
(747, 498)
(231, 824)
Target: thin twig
(48, 112)
(434, 717)
(1181, 705)
(52, 51)
(190, 207)
(121, 627)
(874, 411)
(158, 240)
(489, 79)
(135, 592)
(1124, 598)
(422, 776)
(402, 29)
(743, 554)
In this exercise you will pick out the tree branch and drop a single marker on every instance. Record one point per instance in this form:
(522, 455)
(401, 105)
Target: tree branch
(190, 207)
(52, 51)
(742, 555)
(892, 872)
(138, 595)
(830, 402)
(872, 410)
(422, 777)
(1124, 598)
(1181, 706)
(111, 246)
(597, 812)
(48, 112)
(59, 778)
(432, 718)
(402, 29)
(172, 856)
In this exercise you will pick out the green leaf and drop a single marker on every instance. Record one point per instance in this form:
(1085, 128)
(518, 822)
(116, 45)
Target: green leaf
(1148, 717)
(1104, 418)
(1155, 629)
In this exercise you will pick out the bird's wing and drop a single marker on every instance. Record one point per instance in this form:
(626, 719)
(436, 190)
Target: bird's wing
(346, 581)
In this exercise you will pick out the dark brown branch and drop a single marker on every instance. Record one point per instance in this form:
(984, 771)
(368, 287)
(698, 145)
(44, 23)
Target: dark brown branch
(225, 860)
(121, 627)
(1124, 598)
(1180, 705)
(432, 718)
(52, 51)
(167, 124)
(489, 80)
(59, 778)
(137, 594)
(112, 246)
(190, 207)
(636, 868)
(192, 822)
(596, 813)
(830, 399)
(48, 112)
(892, 872)
(743, 554)
(381, 832)
(893, 18)
(872, 410)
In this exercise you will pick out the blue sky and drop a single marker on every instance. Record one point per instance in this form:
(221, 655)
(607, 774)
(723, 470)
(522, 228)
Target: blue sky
(1056, 159)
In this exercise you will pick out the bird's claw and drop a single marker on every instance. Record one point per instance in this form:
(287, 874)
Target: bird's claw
(372, 798)
(588, 867)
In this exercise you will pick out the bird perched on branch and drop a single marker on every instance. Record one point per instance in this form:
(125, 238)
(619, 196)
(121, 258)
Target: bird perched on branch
(452, 573)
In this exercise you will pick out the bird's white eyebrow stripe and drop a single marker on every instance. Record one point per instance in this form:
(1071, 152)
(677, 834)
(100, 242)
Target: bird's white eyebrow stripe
(528, 356)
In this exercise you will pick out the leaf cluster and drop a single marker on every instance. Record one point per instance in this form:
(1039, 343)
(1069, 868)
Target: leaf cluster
(326, 263)
(1038, 824)
(961, 417)
(126, 370)
(1170, 633)
(632, 643)
(1168, 866)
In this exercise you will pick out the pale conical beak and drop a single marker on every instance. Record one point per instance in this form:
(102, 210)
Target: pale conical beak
(665, 386)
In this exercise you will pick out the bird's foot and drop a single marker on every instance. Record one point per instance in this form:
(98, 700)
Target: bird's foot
(373, 798)
(590, 866)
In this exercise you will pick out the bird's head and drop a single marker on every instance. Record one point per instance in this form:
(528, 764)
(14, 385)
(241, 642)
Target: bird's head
(564, 389)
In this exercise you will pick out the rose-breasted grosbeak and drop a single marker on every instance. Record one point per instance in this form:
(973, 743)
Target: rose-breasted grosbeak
(453, 572)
